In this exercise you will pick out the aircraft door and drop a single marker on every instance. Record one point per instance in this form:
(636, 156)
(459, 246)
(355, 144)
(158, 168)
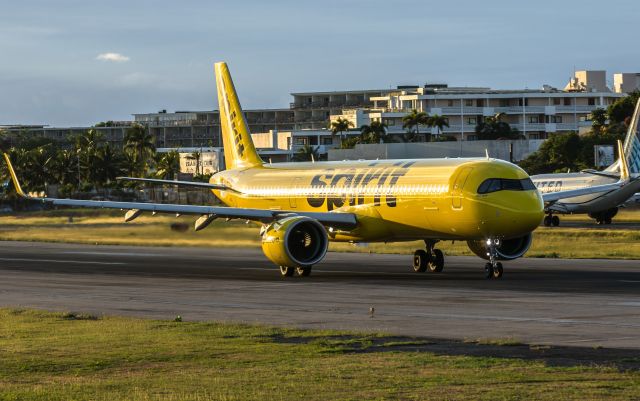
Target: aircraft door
(295, 193)
(458, 185)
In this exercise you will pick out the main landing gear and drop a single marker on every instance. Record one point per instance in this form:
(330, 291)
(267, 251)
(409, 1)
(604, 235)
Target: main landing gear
(493, 268)
(288, 271)
(551, 220)
(431, 259)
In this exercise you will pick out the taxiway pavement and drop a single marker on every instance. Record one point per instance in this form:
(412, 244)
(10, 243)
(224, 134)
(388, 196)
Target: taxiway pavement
(539, 301)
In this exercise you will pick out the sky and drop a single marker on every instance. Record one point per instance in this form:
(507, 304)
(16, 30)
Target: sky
(79, 62)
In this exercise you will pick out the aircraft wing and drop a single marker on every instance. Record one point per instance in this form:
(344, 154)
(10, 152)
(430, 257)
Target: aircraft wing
(178, 183)
(329, 219)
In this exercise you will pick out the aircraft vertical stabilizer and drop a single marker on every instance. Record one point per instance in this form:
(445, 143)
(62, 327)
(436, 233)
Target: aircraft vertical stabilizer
(239, 150)
(632, 142)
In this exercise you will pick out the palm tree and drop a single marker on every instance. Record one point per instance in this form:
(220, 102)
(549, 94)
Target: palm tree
(438, 121)
(373, 132)
(306, 153)
(168, 165)
(340, 125)
(140, 144)
(415, 119)
(197, 156)
(108, 166)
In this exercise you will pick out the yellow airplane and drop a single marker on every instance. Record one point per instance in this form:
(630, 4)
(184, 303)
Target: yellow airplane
(491, 204)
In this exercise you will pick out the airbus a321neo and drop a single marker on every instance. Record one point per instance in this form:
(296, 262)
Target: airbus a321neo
(491, 204)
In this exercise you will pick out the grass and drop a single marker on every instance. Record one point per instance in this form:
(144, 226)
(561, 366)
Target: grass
(107, 227)
(49, 356)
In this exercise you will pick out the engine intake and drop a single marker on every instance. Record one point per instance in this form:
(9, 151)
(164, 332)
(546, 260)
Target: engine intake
(296, 241)
(508, 249)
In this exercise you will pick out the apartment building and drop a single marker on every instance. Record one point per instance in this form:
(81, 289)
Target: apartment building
(535, 113)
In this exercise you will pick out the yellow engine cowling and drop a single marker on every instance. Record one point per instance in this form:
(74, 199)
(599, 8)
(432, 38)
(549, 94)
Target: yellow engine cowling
(296, 241)
(507, 250)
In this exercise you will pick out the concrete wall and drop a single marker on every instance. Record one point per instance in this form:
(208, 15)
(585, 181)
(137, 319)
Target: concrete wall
(497, 149)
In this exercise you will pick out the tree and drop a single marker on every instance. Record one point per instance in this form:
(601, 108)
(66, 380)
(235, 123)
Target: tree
(415, 119)
(307, 153)
(108, 166)
(494, 128)
(598, 119)
(140, 144)
(373, 133)
(622, 108)
(168, 165)
(197, 156)
(562, 152)
(439, 122)
(340, 125)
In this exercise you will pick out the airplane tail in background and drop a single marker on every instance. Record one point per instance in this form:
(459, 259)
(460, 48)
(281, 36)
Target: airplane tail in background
(631, 147)
(239, 150)
(632, 142)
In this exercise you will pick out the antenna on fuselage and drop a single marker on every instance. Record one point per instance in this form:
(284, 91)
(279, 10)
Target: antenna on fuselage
(486, 152)
(313, 159)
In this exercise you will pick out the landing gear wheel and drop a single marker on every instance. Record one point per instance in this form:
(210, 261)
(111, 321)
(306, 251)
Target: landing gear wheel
(547, 221)
(497, 270)
(436, 262)
(488, 270)
(303, 271)
(420, 260)
(555, 220)
(287, 271)
(607, 220)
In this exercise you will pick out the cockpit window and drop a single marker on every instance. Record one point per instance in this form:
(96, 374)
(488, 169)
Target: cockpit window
(505, 184)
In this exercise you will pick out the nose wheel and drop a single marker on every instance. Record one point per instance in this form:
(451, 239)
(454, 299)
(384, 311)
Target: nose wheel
(431, 259)
(493, 268)
(491, 271)
(551, 220)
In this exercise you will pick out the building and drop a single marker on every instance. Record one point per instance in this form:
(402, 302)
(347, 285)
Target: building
(280, 132)
(535, 113)
(626, 82)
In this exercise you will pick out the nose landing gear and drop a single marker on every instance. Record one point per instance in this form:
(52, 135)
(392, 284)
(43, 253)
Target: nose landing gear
(431, 259)
(551, 220)
(493, 268)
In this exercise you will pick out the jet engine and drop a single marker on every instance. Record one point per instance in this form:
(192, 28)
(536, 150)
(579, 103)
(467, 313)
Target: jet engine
(295, 241)
(508, 249)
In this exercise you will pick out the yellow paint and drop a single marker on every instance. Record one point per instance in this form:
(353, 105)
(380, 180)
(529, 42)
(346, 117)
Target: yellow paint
(394, 200)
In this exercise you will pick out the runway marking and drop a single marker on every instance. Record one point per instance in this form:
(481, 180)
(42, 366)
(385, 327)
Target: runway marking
(113, 253)
(82, 262)
(629, 281)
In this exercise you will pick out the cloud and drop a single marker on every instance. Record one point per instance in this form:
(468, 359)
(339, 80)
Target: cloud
(115, 57)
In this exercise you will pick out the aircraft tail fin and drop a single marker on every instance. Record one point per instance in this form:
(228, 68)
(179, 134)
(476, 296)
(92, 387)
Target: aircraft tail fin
(624, 166)
(632, 142)
(239, 150)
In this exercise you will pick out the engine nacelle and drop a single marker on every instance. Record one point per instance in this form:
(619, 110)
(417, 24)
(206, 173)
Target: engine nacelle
(507, 250)
(296, 241)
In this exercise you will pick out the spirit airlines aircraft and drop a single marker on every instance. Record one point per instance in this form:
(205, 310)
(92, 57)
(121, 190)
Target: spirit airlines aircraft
(601, 206)
(491, 204)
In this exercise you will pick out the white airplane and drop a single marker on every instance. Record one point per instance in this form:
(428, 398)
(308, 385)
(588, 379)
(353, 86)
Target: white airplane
(601, 206)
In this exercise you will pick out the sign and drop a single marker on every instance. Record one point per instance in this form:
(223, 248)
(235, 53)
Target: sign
(209, 163)
(604, 155)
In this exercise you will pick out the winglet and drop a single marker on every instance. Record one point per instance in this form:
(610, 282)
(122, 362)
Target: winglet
(624, 166)
(14, 177)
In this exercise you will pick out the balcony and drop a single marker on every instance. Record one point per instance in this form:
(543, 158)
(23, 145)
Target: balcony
(577, 109)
